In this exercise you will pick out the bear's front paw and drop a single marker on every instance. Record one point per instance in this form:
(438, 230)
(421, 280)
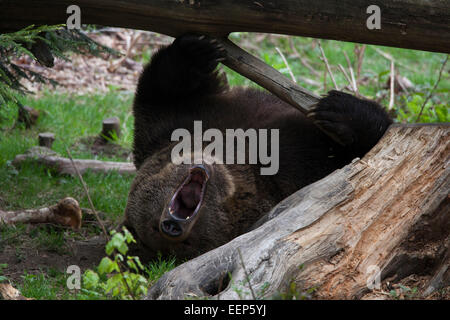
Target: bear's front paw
(203, 52)
(334, 114)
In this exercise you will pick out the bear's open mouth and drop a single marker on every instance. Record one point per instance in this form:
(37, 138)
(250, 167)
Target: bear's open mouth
(188, 198)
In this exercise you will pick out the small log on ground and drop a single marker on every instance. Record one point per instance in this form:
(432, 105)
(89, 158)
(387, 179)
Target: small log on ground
(66, 212)
(385, 216)
(46, 157)
(111, 128)
(46, 139)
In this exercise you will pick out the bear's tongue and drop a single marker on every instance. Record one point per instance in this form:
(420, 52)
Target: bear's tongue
(190, 194)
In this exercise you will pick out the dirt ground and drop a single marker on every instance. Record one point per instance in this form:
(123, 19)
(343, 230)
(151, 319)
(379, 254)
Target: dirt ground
(88, 74)
(34, 260)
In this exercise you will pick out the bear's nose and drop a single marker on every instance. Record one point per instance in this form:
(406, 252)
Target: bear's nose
(171, 228)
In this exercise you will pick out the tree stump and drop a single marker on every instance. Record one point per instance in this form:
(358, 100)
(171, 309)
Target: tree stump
(27, 115)
(384, 217)
(111, 128)
(46, 139)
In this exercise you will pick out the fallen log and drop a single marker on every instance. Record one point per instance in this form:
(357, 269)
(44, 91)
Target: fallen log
(47, 158)
(66, 212)
(383, 217)
(411, 24)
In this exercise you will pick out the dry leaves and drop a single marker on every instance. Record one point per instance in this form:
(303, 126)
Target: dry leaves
(88, 74)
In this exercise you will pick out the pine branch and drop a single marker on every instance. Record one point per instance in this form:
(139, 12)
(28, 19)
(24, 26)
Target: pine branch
(42, 44)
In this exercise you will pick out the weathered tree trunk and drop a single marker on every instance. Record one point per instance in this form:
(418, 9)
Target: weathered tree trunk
(63, 165)
(388, 212)
(408, 24)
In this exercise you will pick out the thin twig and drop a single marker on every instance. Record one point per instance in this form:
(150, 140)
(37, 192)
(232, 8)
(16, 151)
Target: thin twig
(347, 77)
(246, 274)
(352, 74)
(384, 54)
(130, 43)
(387, 56)
(125, 281)
(286, 64)
(87, 194)
(98, 219)
(303, 60)
(327, 65)
(308, 81)
(392, 90)
(360, 52)
(392, 77)
(434, 88)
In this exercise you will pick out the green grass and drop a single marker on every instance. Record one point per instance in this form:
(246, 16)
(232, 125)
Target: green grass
(31, 186)
(421, 67)
(51, 284)
(72, 117)
(157, 268)
(69, 118)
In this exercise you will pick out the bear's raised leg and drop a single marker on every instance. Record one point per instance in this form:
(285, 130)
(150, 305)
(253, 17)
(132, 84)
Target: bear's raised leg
(171, 87)
(183, 70)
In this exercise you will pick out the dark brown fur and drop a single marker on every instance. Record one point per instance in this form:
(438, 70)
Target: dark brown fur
(180, 86)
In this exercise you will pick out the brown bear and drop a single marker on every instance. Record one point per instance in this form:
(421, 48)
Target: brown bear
(188, 209)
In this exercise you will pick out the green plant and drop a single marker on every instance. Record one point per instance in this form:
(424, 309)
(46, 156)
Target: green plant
(431, 112)
(37, 286)
(3, 266)
(403, 292)
(239, 289)
(112, 138)
(118, 276)
(294, 293)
